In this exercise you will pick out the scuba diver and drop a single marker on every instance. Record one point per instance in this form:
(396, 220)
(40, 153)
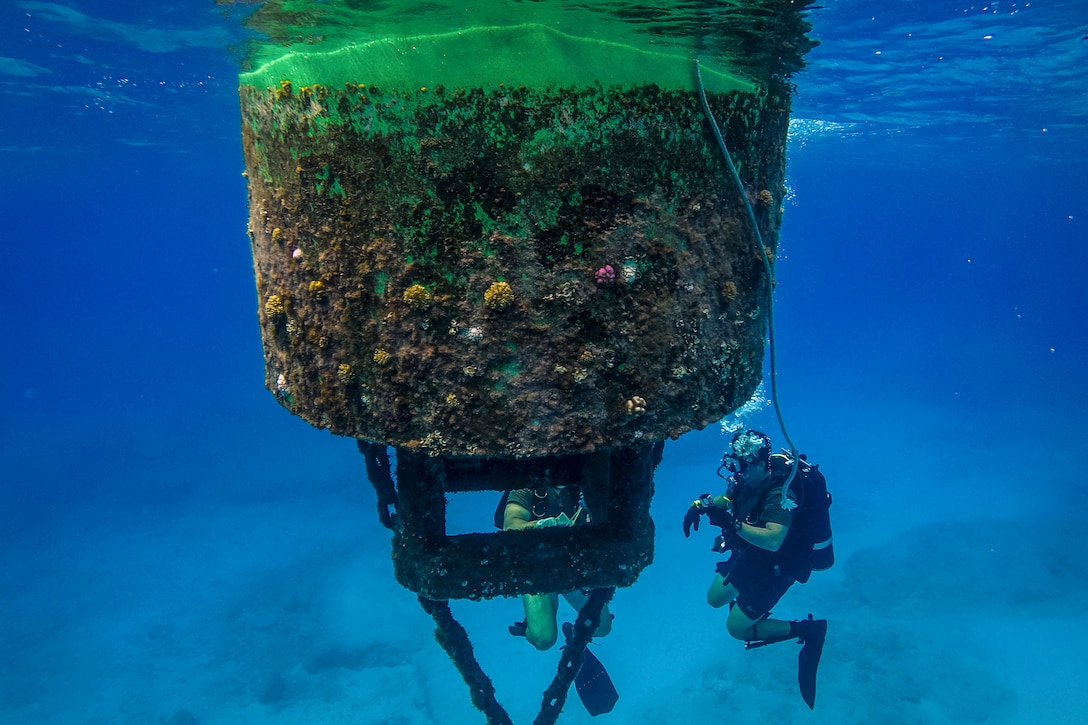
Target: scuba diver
(543, 507)
(776, 526)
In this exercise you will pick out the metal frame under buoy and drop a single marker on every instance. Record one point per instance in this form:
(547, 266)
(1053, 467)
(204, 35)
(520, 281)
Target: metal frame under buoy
(611, 552)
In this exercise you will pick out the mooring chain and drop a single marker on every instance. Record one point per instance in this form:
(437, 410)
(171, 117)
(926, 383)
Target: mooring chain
(451, 636)
(381, 477)
(573, 654)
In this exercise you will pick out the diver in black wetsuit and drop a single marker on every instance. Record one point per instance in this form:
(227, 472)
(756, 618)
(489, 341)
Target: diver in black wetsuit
(767, 554)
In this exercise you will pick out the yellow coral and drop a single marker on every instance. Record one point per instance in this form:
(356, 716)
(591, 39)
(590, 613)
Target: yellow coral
(274, 307)
(499, 296)
(276, 234)
(418, 297)
(433, 442)
(382, 357)
(345, 373)
(765, 197)
(317, 289)
(452, 401)
(729, 290)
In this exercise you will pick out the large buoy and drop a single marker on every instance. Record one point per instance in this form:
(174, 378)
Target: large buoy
(504, 243)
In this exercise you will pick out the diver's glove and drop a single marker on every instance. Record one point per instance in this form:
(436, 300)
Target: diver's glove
(730, 527)
(701, 505)
(723, 519)
(728, 541)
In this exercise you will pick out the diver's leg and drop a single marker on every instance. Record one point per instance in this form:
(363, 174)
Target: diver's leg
(578, 599)
(540, 628)
(743, 627)
(720, 593)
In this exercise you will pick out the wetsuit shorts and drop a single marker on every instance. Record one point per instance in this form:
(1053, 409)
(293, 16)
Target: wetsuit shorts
(759, 587)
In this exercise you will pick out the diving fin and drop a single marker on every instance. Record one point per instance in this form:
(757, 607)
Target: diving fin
(812, 639)
(594, 686)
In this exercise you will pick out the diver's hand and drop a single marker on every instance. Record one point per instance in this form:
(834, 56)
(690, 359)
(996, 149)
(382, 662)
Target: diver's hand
(726, 542)
(697, 508)
(722, 518)
(552, 521)
(691, 520)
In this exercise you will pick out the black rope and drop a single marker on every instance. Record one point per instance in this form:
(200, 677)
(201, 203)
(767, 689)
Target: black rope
(573, 654)
(381, 477)
(762, 249)
(452, 638)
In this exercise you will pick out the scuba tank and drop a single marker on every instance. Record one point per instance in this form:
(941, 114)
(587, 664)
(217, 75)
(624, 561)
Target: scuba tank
(815, 550)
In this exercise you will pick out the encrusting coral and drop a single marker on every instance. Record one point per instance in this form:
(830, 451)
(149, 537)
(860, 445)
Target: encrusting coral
(539, 285)
(418, 297)
(499, 296)
(274, 308)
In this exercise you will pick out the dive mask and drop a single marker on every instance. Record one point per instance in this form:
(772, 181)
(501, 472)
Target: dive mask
(744, 451)
(733, 464)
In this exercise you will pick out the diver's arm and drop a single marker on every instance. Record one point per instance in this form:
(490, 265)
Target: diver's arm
(769, 536)
(516, 517)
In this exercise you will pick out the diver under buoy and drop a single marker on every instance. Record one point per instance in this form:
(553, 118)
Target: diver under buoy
(550, 507)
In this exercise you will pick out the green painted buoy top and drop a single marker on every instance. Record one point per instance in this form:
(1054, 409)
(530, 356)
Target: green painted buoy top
(531, 55)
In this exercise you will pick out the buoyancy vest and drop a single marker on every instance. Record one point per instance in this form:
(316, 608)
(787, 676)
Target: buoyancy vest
(547, 501)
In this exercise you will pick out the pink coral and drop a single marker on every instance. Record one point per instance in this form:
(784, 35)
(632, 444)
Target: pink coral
(606, 275)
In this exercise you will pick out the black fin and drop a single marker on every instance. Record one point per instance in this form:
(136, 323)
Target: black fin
(809, 660)
(594, 686)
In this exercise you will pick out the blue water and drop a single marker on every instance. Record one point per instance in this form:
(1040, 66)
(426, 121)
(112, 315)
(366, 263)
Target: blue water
(172, 541)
